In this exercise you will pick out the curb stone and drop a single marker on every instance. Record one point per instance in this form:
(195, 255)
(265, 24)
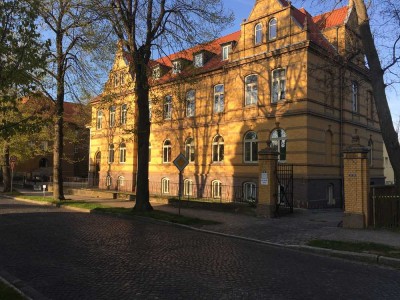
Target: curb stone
(20, 287)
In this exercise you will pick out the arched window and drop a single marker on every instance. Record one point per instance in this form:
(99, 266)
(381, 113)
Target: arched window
(124, 114)
(167, 151)
(167, 107)
(218, 149)
(216, 189)
(189, 149)
(188, 187)
(258, 34)
(165, 186)
(279, 143)
(110, 153)
(99, 120)
(190, 103)
(249, 192)
(120, 182)
(272, 29)
(219, 98)
(112, 116)
(250, 147)
(251, 92)
(122, 152)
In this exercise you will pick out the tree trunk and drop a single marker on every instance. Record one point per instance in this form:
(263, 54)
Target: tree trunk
(389, 134)
(6, 168)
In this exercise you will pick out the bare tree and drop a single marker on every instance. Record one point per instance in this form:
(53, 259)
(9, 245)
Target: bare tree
(145, 26)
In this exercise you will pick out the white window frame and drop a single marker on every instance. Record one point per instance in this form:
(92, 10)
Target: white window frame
(226, 49)
(354, 96)
(258, 34)
(216, 188)
(278, 80)
(122, 78)
(219, 98)
(167, 111)
(188, 187)
(250, 192)
(249, 144)
(198, 60)
(279, 141)
(165, 185)
(122, 153)
(176, 67)
(121, 181)
(190, 149)
(167, 150)
(272, 29)
(218, 149)
(112, 112)
(124, 114)
(156, 72)
(190, 103)
(111, 153)
(99, 119)
(251, 89)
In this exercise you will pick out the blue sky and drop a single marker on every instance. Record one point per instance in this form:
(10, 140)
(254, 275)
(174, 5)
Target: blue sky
(242, 9)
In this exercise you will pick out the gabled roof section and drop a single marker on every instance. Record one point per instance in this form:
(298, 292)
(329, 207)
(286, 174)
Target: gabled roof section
(333, 18)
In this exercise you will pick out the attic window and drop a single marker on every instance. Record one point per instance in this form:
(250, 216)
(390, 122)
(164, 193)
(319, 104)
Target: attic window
(156, 72)
(116, 80)
(176, 67)
(225, 51)
(198, 60)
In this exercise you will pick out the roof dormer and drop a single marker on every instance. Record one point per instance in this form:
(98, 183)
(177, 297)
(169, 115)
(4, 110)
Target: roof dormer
(158, 71)
(226, 49)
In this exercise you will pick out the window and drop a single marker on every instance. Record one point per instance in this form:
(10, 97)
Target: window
(354, 96)
(189, 149)
(251, 93)
(110, 153)
(156, 72)
(120, 182)
(149, 152)
(219, 98)
(198, 60)
(124, 114)
(218, 149)
(250, 147)
(249, 192)
(122, 78)
(122, 153)
(44, 145)
(190, 103)
(278, 85)
(99, 121)
(278, 139)
(116, 80)
(188, 187)
(167, 107)
(330, 189)
(43, 163)
(216, 189)
(165, 186)
(258, 34)
(272, 29)
(167, 151)
(225, 51)
(176, 67)
(112, 116)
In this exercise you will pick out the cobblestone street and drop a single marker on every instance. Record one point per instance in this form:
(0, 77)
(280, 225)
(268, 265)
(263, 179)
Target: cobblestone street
(69, 255)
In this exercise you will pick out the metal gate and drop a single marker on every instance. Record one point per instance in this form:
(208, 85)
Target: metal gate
(284, 176)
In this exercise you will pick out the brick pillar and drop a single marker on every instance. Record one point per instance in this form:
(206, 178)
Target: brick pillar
(356, 184)
(268, 186)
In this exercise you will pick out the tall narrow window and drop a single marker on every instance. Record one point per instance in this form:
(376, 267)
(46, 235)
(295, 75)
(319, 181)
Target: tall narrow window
(249, 192)
(99, 121)
(116, 80)
(250, 147)
(198, 60)
(218, 149)
(258, 34)
(278, 85)
(167, 107)
(272, 29)
(120, 182)
(156, 72)
(165, 186)
(190, 103)
(225, 51)
(251, 82)
(279, 143)
(219, 98)
(188, 187)
(354, 96)
(189, 149)
(371, 152)
(112, 116)
(124, 114)
(110, 153)
(216, 189)
(122, 78)
(176, 67)
(167, 151)
(122, 152)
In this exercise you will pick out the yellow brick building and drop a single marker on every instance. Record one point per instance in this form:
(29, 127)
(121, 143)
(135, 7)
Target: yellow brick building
(286, 76)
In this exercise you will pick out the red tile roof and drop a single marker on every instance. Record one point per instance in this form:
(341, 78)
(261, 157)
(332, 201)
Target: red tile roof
(333, 18)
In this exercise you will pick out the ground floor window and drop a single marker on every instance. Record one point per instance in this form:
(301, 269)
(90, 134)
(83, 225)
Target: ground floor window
(188, 187)
(165, 186)
(249, 192)
(216, 189)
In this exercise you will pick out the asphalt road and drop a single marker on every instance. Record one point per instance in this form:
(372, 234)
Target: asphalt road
(70, 255)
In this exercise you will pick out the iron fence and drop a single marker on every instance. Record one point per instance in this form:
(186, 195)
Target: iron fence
(384, 207)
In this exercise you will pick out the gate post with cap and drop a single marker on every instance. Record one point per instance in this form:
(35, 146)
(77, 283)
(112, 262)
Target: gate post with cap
(267, 185)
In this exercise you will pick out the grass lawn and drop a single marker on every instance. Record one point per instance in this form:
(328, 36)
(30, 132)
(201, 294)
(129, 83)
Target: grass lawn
(359, 247)
(8, 293)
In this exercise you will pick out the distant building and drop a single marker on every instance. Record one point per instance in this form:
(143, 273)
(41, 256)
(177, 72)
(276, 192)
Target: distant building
(297, 80)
